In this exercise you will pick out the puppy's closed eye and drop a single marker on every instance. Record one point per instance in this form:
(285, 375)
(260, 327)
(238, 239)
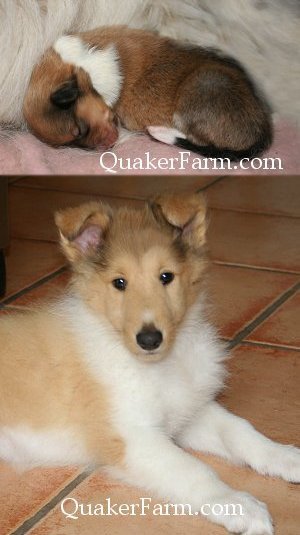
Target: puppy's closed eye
(66, 95)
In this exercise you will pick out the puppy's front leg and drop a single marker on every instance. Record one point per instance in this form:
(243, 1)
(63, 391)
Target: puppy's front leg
(218, 431)
(155, 463)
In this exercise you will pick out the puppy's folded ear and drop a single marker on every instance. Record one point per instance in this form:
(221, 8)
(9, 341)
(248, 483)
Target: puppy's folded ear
(66, 95)
(186, 213)
(83, 229)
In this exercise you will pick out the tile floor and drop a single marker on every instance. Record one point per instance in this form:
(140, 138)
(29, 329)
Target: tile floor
(254, 284)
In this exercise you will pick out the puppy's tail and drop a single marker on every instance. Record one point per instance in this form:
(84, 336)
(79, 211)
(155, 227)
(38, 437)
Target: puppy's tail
(172, 136)
(211, 151)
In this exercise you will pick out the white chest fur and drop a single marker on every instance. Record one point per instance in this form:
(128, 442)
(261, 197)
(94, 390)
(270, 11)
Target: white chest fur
(164, 394)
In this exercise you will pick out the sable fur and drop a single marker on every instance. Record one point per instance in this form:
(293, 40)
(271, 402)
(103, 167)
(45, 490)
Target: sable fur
(44, 386)
(76, 386)
(206, 96)
(263, 35)
(57, 126)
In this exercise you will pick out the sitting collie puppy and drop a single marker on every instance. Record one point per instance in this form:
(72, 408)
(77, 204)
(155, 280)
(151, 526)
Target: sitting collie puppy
(181, 94)
(123, 371)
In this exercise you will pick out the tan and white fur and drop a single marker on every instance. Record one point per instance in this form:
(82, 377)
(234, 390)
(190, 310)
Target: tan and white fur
(262, 34)
(181, 94)
(87, 379)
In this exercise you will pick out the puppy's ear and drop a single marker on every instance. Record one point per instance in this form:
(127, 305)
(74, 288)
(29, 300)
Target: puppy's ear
(186, 213)
(83, 229)
(66, 95)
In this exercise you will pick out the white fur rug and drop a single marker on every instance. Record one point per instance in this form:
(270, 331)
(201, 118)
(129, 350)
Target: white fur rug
(262, 34)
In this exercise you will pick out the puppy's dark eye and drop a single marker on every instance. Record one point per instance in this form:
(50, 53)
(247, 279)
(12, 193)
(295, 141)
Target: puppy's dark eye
(167, 277)
(66, 95)
(120, 284)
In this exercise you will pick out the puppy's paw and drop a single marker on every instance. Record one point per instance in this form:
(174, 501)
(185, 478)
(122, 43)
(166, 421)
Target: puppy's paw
(248, 515)
(285, 463)
(165, 134)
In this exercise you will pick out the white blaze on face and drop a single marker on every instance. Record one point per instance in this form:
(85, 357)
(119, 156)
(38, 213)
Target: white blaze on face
(148, 316)
(101, 65)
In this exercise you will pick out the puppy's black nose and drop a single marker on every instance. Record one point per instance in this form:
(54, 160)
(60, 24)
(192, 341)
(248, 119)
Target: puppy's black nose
(149, 339)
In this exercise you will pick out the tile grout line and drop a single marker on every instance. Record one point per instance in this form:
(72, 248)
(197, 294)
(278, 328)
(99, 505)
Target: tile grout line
(255, 268)
(268, 345)
(51, 504)
(113, 196)
(210, 184)
(12, 180)
(266, 313)
(11, 308)
(32, 286)
(245, 211)
(35, 240)
(142, 198)
(82, 193)
(263, 214)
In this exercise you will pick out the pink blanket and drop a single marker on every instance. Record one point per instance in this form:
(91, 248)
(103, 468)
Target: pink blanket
(22, 154)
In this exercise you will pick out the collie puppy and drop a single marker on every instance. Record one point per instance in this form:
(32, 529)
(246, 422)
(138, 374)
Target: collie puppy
(123, 371)
(262, 34)
(181, 94)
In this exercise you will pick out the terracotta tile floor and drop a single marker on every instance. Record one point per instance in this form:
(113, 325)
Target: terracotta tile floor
(254, 288)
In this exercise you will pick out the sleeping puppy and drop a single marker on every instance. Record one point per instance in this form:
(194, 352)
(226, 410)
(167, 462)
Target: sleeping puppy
(181, 94)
